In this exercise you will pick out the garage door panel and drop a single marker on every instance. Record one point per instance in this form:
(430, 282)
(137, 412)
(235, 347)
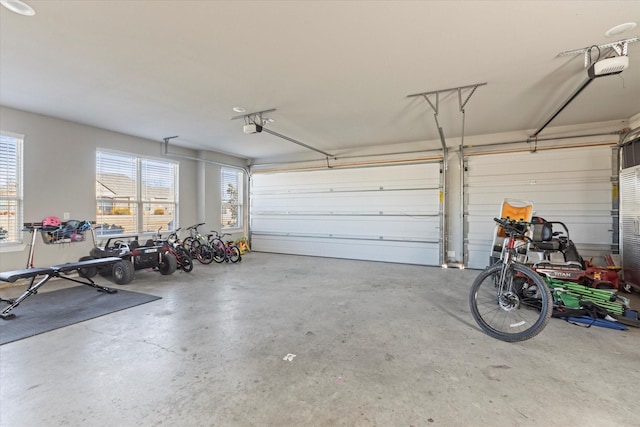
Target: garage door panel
(357, 179)
(400, 252)
(373, 201)
(596, 192)
(369, 227)
(528, 164)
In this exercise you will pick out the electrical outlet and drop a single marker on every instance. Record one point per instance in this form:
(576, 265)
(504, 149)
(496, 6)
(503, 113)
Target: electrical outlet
(66, 216)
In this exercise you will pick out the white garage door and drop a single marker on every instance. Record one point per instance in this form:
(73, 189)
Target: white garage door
(571, 185)
(382, 213)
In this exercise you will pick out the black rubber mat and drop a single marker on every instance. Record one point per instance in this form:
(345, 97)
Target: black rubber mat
(47, 311)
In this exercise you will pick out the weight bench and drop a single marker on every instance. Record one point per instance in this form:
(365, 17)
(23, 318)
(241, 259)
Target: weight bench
(47, 273)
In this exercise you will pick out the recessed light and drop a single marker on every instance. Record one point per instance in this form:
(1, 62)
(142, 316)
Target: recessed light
(619, 29)
(18, 7)
(239, 109)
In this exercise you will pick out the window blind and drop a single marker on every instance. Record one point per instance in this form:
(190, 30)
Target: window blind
(231, 181)
(10, 188)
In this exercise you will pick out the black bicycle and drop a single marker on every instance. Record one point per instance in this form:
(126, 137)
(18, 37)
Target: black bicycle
(509, 300)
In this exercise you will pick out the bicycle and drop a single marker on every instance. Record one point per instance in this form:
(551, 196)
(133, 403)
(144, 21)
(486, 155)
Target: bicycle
(198, 246)
(223, 251)
(509, 300)
(173, 244)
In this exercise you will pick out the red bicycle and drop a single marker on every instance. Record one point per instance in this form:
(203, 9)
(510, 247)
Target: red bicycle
(174, 247)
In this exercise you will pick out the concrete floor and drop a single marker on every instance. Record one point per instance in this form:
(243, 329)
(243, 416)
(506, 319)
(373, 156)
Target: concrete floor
(375, 344)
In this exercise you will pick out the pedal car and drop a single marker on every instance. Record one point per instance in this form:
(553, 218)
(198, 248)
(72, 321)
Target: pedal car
(135, 257)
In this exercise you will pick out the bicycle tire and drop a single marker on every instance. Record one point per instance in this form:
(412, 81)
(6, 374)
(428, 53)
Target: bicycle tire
(234, 254)
(513, 316)
(204, 254)
(190, 244)
(185, 261)
(219, 250)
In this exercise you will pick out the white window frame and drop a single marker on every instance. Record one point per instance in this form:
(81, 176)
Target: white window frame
(141, 200)
(13, 226)
(226, 202)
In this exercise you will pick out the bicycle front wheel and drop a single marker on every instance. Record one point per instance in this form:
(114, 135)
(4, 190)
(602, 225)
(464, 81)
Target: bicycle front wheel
(190, 244)
(219, 250)
(516, 311)
(204, 254)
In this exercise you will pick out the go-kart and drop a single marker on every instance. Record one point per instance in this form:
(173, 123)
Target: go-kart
(552, 253)
(135, 257)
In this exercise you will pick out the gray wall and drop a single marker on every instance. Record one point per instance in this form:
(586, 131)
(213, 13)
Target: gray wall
(59, 176)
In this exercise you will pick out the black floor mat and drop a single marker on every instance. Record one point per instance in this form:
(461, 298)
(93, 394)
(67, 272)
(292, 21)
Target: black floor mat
(47, 311)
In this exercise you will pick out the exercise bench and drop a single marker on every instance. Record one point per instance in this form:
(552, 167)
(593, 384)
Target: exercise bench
(47, 273)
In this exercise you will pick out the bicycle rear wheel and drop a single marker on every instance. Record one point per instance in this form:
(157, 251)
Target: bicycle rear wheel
(519, 312)
(184, 259)
(234, 254)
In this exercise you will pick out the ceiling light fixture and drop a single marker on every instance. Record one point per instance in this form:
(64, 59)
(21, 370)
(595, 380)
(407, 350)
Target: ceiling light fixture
(619, 29)
(239, 109)
(18, 7)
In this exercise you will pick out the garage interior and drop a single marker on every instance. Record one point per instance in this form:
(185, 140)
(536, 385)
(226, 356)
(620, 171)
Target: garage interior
(370, 145)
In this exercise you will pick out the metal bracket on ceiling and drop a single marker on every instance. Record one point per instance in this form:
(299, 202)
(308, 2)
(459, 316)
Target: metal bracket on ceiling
(444, 223)
(621, 47)
(437, 93)
(198, 159)
(255, 117)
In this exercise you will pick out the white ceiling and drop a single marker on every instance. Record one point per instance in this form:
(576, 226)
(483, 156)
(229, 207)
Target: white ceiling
(337, 72)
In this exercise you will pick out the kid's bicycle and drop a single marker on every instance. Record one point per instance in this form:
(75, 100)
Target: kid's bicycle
(223, 251)
(197, 245)
(173, 244)
(508, 300)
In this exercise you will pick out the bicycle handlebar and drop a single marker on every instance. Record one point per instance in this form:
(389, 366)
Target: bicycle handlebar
(195, 227)
(220, 236)
(513, 227)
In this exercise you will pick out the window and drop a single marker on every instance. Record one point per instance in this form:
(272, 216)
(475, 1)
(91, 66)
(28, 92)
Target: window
(231, 189)
(10, 188)
(134, 194)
